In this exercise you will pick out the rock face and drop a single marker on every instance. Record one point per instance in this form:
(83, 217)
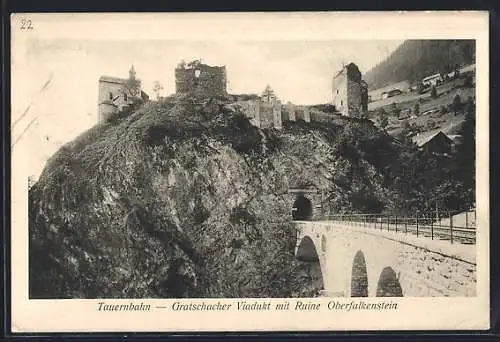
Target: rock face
(187, 199)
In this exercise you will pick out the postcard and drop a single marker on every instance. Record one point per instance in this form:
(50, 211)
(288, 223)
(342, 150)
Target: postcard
(215, 172)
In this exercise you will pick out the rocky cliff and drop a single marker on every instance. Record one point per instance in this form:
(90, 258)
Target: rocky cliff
(186, 199)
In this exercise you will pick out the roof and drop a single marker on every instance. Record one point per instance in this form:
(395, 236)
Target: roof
(455, 136)
(431, 76)
(392, 91)
(111, 79)
(108, 102)
(422, 139)
(398, 85)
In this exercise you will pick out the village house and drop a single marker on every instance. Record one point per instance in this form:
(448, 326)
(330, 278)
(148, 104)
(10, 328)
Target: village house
(381, 93)
(433, 142)
(391, 93)
(350, 92)
(116, 93)
(432, 80)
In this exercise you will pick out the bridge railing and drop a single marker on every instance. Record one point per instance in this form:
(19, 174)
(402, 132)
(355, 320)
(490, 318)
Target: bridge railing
(454, 227)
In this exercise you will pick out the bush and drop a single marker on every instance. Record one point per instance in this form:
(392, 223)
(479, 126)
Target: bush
(396, 110)
(382, 120)
(468, 81)
(244, 137)
(456, 105)
(273, 141)
(416, 109)
(434, 93)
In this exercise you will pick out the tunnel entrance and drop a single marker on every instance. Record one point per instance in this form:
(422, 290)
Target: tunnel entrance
(302, 208)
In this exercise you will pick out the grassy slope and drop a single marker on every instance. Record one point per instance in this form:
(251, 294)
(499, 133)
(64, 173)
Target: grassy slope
(448, 123)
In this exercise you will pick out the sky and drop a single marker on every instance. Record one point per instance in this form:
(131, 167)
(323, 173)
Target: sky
(62, 76)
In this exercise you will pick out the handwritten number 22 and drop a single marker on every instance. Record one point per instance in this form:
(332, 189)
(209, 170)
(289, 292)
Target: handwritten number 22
(26, 24)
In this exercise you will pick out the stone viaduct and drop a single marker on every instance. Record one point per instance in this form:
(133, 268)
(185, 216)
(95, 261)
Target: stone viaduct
(349, 260)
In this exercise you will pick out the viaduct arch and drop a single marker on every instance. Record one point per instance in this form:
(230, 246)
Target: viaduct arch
(357, 263)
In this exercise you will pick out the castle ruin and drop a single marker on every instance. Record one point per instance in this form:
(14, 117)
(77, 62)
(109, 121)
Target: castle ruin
(200, 79)
(350, 92)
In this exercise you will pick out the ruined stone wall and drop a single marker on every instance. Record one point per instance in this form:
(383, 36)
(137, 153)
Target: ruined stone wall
(112, 98)
(289, 112)
(302, 113)
(253, 112)
(105, 109)
(340, 93)
(354, 107)
(277, 115)
(270, 114)
(266, 114)
(201, 80)
(364, 96)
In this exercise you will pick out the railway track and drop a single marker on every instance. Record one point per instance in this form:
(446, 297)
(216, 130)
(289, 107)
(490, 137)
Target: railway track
(454, 234)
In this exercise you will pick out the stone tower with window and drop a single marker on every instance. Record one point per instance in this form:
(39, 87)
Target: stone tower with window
(200, 79)
(350, 92)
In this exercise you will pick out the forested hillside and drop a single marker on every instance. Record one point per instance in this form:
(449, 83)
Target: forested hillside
(415, 59)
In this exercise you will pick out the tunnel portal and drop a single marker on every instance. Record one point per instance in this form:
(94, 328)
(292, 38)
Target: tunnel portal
(302, 208)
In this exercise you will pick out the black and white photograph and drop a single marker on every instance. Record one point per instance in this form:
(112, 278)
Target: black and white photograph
(184, 167)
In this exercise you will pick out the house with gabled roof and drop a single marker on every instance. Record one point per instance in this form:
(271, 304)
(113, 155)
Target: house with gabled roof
(433, 142)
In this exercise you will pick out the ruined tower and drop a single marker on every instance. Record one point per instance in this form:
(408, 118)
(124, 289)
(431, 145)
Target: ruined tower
(350, 92)
(200, 79)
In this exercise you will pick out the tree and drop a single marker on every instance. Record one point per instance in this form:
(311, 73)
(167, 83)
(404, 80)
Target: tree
(416, 109)
(382, 119)
(456, 105)
(406, 127)
(157, 87)
(470, 105)
(468, 81)
(268, 94)
(31, 181)
(465, 156)
(408, 112)
(395, 109)
(434, 93)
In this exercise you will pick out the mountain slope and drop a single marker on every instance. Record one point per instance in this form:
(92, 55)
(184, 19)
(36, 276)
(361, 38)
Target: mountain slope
(186, 199)
(415, 59)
